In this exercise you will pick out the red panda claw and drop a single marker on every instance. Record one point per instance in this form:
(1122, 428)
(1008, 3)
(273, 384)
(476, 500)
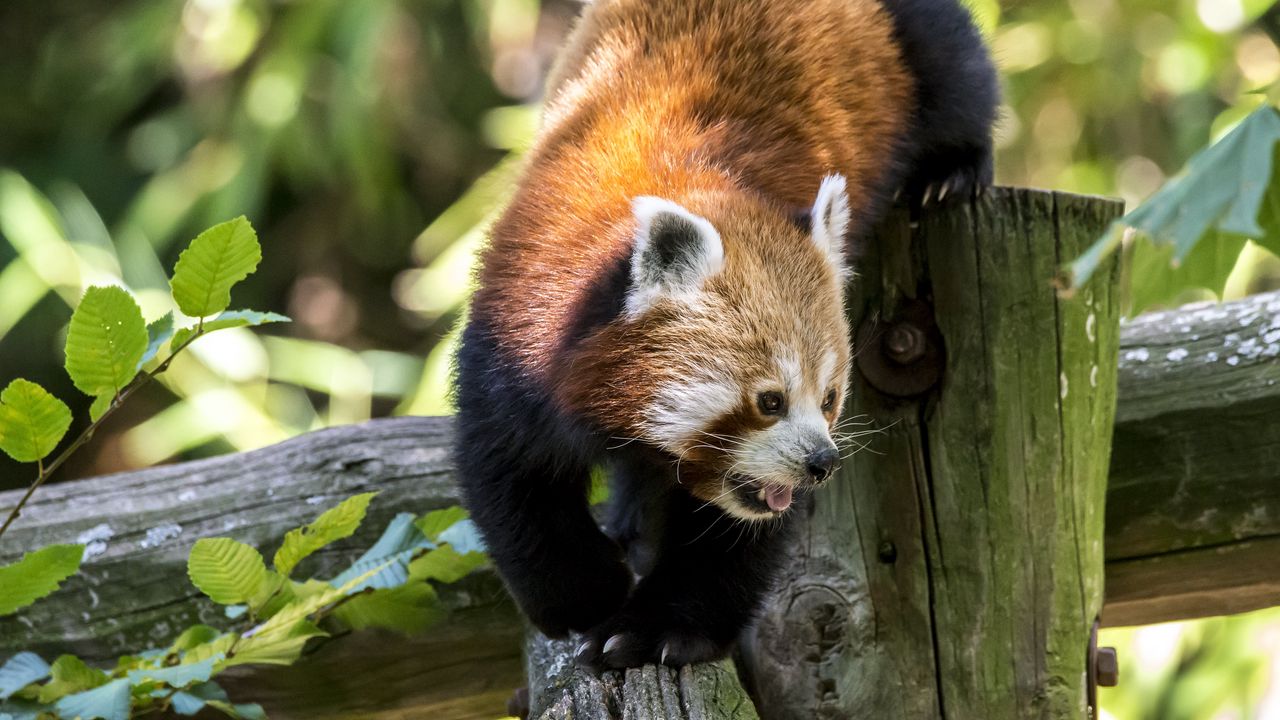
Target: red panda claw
(666, 648)
(611, 644)
(582, 649)
(942, 191)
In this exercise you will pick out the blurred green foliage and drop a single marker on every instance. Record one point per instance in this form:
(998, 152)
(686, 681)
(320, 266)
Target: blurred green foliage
(370, 141)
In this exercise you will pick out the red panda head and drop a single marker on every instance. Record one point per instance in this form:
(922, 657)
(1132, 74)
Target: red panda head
(734, 331)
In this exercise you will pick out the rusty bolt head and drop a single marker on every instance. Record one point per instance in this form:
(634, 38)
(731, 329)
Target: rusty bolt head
(904, 343)
(1106, 667)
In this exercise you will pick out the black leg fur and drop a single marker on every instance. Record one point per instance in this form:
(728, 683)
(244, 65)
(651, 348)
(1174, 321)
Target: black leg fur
(524, 481)
(711, 575)
(951, 146)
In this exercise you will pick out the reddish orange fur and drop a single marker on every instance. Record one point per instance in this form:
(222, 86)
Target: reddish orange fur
(768, 102)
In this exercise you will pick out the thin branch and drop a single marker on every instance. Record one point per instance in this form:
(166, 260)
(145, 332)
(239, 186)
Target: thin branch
(45, 471)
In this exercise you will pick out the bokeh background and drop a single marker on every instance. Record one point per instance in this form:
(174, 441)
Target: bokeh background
(370, 141)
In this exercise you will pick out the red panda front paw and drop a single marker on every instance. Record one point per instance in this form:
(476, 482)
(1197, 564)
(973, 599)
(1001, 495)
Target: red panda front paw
(622, 643)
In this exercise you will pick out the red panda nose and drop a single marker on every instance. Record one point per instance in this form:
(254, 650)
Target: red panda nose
(821, 463)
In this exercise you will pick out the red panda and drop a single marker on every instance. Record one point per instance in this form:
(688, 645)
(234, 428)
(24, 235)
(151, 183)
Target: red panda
(664, 296)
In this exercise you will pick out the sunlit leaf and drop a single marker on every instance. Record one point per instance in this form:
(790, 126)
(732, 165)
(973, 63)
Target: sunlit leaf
(192, 637)
(32, 422)
(20, 671)
(105, 341)
(36, 575)
(334, 524)
(215, 261)
(230, 319)
(101, 405)
(276, 648)
(109, 702)
(228, 571)
(70, 675)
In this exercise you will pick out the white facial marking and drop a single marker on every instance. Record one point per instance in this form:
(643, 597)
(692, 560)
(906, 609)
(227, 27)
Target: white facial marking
(682, 282)
(683, 410)
(830, 221)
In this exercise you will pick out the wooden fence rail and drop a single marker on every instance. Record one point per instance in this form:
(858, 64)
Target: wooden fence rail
(1192, 528)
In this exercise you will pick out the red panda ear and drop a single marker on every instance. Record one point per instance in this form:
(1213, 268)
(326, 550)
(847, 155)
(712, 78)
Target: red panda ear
(675, 251)
(830, 220)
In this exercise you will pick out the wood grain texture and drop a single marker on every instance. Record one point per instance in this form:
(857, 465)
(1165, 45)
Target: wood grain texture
(560, 690)
(1206, 426)
(954, 572)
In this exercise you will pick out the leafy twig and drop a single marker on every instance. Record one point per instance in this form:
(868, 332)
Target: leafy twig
(45, 471)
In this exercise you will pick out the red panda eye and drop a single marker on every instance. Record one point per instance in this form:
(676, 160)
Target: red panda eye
(771, 403)
(830, 402)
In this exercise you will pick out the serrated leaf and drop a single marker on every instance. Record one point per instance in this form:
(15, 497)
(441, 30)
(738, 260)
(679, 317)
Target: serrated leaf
(36, 575)
(20, 671)
(437, 521)
(228, 571)
(275, 592)
(406, 609)
(216, 260)
(109, 702)
(334, 524)
(379, 573)
(32, 422)
(100, 406)
(1222, 192)
(70, 675)
(444, 564)
(159, 332)
(230, 319)
(177, 676)
(106, 339)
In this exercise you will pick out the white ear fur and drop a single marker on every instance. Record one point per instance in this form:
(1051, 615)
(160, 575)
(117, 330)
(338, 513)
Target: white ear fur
(830, 220)
(675, 251)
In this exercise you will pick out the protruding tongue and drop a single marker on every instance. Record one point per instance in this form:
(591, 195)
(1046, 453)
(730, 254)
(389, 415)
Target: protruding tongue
(778, 497)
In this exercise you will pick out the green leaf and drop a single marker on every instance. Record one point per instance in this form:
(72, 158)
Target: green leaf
(70, 675)
(177, 676)
(1224, 191)
(20, 671)
(276, 648)
(192, 637)
(100, 406)
(444, 564)
(406, 609)
(36, 575)
(228, 571)
(109, 702)
(216, 260)
(216, 648)
(159, 331)
(230, 319)
(32, 422)
(275, 592)
(437, 521)
(334, 524)
(106, 341)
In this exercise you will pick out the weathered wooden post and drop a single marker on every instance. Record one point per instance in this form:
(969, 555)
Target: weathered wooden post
(954, 569)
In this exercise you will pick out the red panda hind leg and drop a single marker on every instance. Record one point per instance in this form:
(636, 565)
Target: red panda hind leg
(708, 584)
